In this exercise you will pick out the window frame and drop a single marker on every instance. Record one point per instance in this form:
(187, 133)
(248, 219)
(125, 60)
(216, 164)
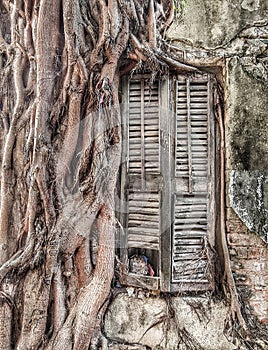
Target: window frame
(167, 129)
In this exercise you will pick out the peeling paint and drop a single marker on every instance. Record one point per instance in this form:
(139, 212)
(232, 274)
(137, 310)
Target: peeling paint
(251, 5)
(259, 192)
(246, 194)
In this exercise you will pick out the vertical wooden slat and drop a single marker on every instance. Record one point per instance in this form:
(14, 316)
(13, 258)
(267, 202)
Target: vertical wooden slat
(142, 137)
(189, 133)
(212, 167)
(124, 167)
(165, 129)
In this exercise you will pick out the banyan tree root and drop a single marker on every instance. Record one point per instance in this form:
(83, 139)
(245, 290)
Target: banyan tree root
(60, 64)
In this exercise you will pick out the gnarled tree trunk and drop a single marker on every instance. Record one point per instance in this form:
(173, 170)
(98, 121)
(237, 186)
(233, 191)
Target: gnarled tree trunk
(60, 65)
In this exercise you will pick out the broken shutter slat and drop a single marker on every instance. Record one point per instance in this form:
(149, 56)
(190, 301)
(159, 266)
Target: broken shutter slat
(191, 200)
(190, 231)
(143, 220)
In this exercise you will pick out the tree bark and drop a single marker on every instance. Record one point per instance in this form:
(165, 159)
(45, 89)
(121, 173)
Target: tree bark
(60, 141)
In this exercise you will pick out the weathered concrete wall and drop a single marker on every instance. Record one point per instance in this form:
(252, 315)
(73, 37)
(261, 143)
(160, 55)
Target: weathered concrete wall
(246, 125)
(247, 144)
(211, 24)
(234, 36)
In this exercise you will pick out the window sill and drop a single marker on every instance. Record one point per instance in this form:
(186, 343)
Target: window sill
(147, 282)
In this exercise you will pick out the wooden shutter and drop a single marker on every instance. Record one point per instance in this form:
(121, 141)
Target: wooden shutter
(143, 165)
(193, 192)
(143, 182)
(167, 180)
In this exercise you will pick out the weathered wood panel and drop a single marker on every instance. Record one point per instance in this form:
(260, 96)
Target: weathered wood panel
(144, 181)
(193, 183)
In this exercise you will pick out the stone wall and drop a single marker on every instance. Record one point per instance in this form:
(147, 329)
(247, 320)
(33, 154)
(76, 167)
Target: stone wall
(150, 322)
(246, 125)
(215, 24)
(233, 37)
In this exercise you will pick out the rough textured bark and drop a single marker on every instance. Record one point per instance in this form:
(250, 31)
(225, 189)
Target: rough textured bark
(60, 64)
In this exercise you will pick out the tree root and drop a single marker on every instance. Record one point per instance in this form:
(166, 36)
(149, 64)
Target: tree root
(235, 316)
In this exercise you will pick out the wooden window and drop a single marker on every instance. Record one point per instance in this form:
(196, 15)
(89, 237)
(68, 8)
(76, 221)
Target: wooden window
(167, 183)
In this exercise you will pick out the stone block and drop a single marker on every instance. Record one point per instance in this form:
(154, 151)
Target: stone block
(145, 322)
